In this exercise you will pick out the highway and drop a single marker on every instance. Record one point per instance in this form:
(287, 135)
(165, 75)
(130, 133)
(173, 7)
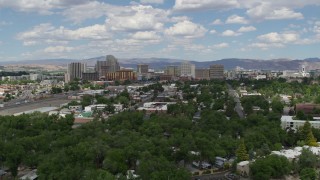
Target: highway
(238, 108)
(14, 104)
(216, 176)
(14, 107)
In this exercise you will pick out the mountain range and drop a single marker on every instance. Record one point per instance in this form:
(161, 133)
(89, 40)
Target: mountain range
(161, 63)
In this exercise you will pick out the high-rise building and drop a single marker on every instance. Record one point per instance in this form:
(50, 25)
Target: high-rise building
(216, 71)
(172, 70)
(142, 68)
(75, 70)
(112, 64)
(90, 76)
(101, 68)
(202, 73)
(187, 69)
(121, 75)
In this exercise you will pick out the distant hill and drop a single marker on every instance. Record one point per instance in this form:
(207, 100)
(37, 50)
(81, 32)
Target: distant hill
(161, 63)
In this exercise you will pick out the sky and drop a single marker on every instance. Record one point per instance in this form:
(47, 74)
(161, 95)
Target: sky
(199, 30)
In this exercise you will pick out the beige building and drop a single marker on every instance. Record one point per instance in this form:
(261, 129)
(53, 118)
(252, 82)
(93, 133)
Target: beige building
(172, 70)
(112, 64)
(142, 68)
(202, 73)
(243, 168)
(121, 75)
(75, 70)
(101, 67)
(216, 71)
(187, 69)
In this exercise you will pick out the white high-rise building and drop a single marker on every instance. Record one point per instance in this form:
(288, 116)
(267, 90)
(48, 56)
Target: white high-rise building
(112, 64)
(187, 69)
(75, 70)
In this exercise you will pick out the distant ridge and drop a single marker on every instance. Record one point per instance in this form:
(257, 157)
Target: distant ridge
(161, 63)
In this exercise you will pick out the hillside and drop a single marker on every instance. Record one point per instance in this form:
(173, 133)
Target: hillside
(161, 63)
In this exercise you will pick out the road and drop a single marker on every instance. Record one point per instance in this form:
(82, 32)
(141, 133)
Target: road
(13, 108)
(15, 104)
(216, 176)
(238, 108)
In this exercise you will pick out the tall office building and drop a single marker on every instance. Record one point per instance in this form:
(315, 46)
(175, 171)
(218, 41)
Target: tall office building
(187, 69)
(142, 68)
(172, 70)
(121, 75)
(112, 64)
(216, 71)
(75, 70)
(202, 73)
(90, 76)
(101, 68)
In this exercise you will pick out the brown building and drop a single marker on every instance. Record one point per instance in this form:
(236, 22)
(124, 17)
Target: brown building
(121, 75)
(94, 76)
(216, 71)
(172, 70)
(142, 68)
(308, 109)
(202, 73)
(165, 77)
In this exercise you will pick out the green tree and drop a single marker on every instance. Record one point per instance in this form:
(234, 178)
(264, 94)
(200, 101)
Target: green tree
(56, 90)
(277, 106)
(301, 116)
(307, 159)
(308, 174)
(66, 88)
(311, 140)
(272, 166)
(241, 153)
(304, 131)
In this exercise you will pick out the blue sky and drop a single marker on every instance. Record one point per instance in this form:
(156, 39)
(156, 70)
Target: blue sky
(199, 30)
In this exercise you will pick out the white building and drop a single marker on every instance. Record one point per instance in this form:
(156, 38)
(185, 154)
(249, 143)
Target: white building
(75, 70)
(117, 107)
(155, 106)
(35, 77)
(261, 76)
(294, 153)
(187, 69)
(289, 122)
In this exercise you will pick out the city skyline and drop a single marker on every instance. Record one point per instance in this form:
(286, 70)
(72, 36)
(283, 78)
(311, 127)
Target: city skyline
(200, 30)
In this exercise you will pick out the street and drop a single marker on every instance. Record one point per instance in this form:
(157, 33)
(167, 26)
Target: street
(217, 176)
(238, 108)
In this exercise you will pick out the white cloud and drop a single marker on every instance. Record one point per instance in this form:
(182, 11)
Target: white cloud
(269, 11)
(186, 29)
(235, 19)
(58, 49)
(230, 33)
(265, 46)
(217, 22)
(221, 45)
(213, 31)
(275, 37)
(46, 33)
(152, 1)
(198, 5)
(137, 18)
(91, 10)
(246, 29)
(316, 29)
(179, 18)
(40, 6)
(146, 35)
